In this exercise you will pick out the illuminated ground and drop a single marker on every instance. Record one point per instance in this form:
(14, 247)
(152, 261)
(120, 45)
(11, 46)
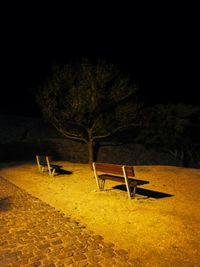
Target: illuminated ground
(159, 228)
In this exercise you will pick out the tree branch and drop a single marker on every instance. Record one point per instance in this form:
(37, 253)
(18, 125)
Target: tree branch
(125, 97)
(115, 131)
(69, 135)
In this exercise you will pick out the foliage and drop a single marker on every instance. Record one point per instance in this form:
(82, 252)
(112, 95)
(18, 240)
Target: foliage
(87, 102)
(172, 128)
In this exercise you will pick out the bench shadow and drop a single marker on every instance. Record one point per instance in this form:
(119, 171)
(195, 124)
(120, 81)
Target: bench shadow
(145, 192)
(5, 204)
(59, 170)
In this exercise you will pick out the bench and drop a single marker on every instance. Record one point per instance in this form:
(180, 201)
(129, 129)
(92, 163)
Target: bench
(44, 164)
(117, 173)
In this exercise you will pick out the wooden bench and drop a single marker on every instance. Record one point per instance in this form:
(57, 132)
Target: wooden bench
(117, 173)
(44, 164)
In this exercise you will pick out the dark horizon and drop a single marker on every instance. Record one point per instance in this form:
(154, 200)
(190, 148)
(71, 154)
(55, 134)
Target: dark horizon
(161, 56)
(156, 86)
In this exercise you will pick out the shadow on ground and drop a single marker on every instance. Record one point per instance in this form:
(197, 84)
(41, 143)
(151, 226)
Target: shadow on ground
(5, 204)
(60, 171)
(145, 192)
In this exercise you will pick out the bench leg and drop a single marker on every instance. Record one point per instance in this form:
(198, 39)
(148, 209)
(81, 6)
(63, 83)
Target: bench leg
(40, 167)
(102, 184)
(53, 172)
(96, 176)
(133, 190)
(126, 182)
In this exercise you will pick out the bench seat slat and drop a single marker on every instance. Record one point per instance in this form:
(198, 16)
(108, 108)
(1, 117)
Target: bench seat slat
(114, 178)
(133, 182)
(111, 177)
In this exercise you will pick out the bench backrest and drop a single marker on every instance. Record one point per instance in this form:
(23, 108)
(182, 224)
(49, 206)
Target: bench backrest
(114, 169)
(43, 160)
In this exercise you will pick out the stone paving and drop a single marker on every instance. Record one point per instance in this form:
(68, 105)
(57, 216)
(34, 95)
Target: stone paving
(33, 233)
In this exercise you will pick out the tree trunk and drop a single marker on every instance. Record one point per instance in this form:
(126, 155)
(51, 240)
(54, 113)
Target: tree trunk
(90, 151)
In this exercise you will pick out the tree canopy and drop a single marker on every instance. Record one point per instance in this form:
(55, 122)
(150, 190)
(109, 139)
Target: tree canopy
(172, 128)
(87, 102)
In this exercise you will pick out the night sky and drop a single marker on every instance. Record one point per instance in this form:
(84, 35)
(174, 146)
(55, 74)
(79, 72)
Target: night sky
(160, 49)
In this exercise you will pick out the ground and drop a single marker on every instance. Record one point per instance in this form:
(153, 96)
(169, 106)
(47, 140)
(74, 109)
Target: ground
(160, 226)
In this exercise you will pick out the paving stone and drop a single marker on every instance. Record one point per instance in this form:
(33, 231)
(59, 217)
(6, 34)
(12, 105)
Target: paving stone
(35, 234)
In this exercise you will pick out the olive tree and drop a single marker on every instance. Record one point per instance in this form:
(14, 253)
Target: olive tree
(88, 102)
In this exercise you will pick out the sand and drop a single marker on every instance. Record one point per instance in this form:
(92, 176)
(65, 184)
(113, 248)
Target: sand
(159, 229)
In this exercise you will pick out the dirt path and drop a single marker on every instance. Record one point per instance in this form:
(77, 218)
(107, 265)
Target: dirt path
(159, 228)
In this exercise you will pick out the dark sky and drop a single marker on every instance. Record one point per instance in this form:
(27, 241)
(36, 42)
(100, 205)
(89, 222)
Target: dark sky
(158, 46)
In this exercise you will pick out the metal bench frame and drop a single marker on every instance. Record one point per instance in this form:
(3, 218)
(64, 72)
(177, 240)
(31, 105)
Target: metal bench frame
(44, 164)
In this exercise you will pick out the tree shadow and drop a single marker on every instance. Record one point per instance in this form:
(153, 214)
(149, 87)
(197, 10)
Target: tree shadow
(145, 192)
(5, 204)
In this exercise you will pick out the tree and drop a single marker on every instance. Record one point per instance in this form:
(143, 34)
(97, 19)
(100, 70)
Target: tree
(88, 102)
(172, 128)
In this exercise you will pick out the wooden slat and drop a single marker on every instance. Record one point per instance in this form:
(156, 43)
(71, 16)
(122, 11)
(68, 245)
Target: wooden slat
(111, 177)
(114, 169)
(116, 178)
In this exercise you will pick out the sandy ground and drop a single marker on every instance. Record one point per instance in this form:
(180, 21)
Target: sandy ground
(159, 229)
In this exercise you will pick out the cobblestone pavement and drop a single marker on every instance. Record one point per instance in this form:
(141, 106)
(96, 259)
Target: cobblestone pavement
(33, 233)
